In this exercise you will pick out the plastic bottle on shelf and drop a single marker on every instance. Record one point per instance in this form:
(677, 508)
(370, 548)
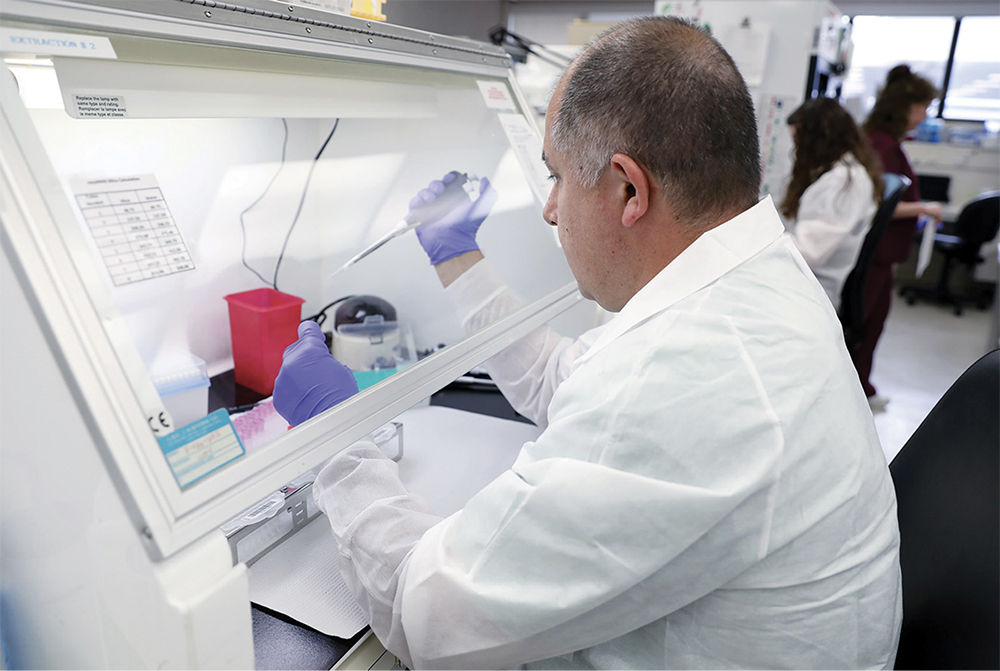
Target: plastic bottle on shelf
(367, 9)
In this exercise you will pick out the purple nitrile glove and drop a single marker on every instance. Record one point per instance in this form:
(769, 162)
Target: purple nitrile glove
(454, 232)
(310, 380)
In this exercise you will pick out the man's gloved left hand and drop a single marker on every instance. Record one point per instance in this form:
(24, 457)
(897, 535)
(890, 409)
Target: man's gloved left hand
(310, 380)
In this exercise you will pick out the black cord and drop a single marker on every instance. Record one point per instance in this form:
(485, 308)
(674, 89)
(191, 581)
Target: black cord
(305, 190)
(502, 37)
(243, 226)
(320, 316)
(242, 408)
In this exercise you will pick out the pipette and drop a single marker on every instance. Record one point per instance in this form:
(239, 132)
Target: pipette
(462, 190)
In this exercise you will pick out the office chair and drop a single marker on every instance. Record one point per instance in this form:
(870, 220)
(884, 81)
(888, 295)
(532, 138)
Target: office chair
(852, 311)
(947, 480)
(978, 222)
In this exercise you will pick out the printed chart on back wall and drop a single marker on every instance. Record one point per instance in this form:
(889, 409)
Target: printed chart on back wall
(132, 227)
(775, 144)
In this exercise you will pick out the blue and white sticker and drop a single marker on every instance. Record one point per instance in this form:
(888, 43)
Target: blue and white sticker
(203, 446)
(46, 43)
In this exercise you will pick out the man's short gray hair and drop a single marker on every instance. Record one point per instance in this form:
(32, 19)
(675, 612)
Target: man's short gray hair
(665, 93)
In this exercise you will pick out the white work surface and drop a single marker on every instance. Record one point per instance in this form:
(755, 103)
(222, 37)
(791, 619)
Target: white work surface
(448, 455)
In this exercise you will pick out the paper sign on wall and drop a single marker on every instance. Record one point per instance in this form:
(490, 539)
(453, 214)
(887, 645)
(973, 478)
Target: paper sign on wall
(497, 95)
(775, 143)
(688, 9)
(528, 149)
(132, 227)
(748, 47)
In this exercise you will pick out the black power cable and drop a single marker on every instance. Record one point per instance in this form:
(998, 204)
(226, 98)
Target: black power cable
(302, 200)
(320, 316)
(518, 47)
(243, 226)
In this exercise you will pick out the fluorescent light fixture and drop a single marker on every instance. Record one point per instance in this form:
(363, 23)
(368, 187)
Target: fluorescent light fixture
(36, 82)
(153, 91)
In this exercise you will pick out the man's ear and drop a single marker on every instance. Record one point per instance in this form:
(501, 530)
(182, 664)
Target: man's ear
(636, 188)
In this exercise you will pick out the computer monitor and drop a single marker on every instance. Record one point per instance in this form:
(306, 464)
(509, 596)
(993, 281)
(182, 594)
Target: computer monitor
(935, 188)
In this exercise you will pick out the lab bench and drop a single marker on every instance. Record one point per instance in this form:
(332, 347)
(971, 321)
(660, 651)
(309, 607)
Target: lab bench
(482, 398)
(281, 642)
(436, 464)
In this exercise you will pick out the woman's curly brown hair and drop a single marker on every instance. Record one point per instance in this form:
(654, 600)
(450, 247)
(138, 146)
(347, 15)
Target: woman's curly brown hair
(824, 133)
(901, 91)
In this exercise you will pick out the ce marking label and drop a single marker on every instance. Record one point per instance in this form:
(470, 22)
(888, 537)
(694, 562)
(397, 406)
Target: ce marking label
(161, 422)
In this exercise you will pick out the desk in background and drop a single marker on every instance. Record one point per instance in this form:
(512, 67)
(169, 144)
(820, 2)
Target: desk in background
(968, 171)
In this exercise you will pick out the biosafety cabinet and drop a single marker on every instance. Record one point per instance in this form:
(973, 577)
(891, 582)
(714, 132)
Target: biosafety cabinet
(165, 164)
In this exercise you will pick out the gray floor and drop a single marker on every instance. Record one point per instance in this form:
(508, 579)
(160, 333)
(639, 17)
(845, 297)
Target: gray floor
(922, 352)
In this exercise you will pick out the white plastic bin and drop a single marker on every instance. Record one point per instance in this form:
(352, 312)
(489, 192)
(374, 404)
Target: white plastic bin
(182, 382)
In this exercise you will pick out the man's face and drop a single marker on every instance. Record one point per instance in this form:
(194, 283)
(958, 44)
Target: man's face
(586, 223)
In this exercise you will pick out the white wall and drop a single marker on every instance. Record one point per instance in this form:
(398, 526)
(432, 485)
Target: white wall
(460, 18)
(918, 7)
(546, 21)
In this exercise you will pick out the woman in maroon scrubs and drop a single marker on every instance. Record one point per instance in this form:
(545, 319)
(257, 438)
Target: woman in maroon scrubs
(901, 106)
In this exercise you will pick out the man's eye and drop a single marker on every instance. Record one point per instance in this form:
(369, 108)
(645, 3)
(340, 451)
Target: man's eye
(551, 177)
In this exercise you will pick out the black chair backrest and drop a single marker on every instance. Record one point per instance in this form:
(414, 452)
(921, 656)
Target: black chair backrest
(852, 296)
(978, 223)
(947, 480)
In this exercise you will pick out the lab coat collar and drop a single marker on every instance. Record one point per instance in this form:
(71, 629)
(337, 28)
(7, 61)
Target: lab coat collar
(712, 255)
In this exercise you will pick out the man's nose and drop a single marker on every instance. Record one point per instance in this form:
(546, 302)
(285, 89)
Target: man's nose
(549, 211)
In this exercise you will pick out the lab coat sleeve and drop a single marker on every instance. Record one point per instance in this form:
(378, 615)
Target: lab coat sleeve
(376, 523)
(830, 209)
(529, 371)
(615, 501)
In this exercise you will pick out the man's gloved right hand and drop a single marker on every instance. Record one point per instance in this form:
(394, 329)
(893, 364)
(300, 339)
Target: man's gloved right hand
(453, 233)
(310, 380)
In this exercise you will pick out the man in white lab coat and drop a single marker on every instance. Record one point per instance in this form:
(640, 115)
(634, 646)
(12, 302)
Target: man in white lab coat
(708, 490)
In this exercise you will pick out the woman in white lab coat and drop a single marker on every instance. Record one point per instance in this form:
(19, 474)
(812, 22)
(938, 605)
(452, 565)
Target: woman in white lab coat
(834, 190)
